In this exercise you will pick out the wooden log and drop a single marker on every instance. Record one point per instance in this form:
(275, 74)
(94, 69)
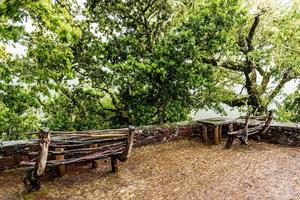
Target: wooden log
(89, 150)
(32, 180)
(220, 134)
(123, 130)
(204, 134)
(239, 132)
(267, 124)
(230, 137)
(61, 169)
(129, 144)
(114, 164)
(97, 135)
(256, 128)
(244, 137)
(90, 157)
(18, 144)
(66, 145)
(230, 127)
(229, 141)
(84, 151)
(102, 155)
(216, 135)
(251, 131)
(95, 164)
(247, 122)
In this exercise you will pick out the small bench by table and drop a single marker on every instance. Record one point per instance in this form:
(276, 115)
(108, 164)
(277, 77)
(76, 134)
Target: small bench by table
(217, 124)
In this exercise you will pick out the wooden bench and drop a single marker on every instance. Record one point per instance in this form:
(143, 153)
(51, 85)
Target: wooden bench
(243, 134)
(58, 149)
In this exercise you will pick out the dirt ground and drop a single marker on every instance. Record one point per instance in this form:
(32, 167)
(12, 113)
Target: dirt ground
(177, 170)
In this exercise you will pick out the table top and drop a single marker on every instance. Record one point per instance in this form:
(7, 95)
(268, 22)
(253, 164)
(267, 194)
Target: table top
(217, 121)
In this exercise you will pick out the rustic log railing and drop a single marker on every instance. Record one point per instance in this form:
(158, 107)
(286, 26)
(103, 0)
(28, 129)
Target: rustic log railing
(243, 134)
(75, 147)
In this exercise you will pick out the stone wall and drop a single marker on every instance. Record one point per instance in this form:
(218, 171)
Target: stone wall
(167, 132)
(280, 133)
(285, 134)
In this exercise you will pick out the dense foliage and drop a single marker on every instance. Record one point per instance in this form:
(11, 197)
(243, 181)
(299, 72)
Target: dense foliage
(290, 109)
(106, 64)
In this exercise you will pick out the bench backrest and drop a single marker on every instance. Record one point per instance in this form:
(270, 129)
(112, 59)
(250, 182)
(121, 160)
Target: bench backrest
(73, 147)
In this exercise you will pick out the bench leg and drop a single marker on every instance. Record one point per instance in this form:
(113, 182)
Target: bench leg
(61, 169)
(216, 135)
(31, 181)
(220, 134)
(204, 134)
(229, 141)
(95, 163)
(244, 139)
(114, 164)
(230, 128)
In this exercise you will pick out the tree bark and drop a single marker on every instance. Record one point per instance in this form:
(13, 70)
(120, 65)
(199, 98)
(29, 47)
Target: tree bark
(32, 180)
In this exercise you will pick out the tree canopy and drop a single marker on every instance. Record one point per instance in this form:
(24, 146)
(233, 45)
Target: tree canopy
(290, 109)
(106, 64)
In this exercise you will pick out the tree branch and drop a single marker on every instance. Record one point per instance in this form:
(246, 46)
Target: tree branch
(261, 71)
(150, 3)
(251, 33)
(286, 77)
(236, 102)
(264, 83)
(228, 64)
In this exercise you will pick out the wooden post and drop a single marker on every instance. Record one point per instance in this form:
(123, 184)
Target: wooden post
(95, 164)
(61, 169)
(204, 134)
(229, 141)
(244, 136)
(32, 180)
(114, 164)
(267, 124)
(230, 128)
(216, 135)
(129, 145)
(220, 133)
(230, 137)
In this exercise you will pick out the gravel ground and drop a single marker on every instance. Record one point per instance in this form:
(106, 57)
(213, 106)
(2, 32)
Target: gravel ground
(184, 169)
